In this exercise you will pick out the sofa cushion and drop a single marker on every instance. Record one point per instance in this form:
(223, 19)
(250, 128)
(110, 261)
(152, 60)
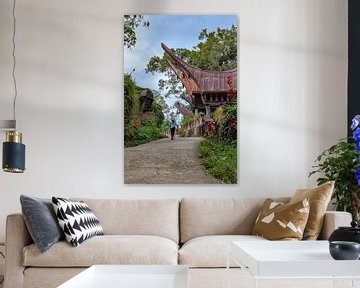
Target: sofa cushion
(211, 251)
(279, 221)
(77, 220)
(107, 249)
(201, 217)
(319, 198)
(41, 221)
(158, 217)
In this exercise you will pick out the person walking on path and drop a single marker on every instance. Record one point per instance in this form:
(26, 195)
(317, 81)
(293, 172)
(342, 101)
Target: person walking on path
(172, 128)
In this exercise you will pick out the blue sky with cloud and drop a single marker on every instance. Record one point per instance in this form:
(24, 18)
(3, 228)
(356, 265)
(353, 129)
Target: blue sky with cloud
(176, 31)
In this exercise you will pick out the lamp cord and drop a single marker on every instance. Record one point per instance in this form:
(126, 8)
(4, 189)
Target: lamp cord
(14, 61)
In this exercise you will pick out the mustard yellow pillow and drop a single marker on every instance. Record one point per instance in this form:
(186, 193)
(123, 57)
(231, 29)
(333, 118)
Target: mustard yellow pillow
(279, 221)
(319, 198)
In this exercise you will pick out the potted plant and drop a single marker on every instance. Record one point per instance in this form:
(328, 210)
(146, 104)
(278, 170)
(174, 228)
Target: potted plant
(341, 163)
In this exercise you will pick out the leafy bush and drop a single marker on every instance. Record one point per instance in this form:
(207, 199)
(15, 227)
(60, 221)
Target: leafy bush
(131, 99)
(229, 125)
(140, 127)
(144, 133)
(224, 125)
(210, 128)
(341, 163)
(148, 133)
(181, 133)
(219, 115)
(131, 106)
(187, 120)
(129, 131)
(220, 160)
(190, 132)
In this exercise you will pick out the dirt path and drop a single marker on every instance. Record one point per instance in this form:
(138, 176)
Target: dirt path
(166, 162)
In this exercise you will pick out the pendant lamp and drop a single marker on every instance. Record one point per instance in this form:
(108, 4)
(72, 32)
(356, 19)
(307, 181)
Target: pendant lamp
(13, 160)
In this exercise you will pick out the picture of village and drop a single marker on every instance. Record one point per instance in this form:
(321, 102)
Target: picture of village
(180, 99)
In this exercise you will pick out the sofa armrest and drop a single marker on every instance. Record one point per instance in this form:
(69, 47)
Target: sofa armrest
(17, 237)
(333, 220)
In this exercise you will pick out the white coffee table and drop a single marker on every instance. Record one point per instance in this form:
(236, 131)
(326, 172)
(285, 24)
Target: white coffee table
(285, 260)
(131, 276)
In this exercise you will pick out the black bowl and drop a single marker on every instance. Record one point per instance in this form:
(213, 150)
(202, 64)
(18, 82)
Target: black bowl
(344, 250)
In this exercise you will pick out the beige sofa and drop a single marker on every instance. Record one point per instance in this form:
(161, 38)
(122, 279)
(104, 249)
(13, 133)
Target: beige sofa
(194, 232)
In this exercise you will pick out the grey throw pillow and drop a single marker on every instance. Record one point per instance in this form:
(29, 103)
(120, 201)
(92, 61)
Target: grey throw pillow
(41, 221)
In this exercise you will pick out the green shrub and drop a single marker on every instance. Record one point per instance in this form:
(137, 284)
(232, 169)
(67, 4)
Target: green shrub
(229, 125)
(148, 133)
(131, 98)
(129, 131)
(220, 160)
(144, 134)
(187, 120)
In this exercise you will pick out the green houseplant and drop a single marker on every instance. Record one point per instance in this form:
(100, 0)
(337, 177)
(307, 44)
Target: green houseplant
(341, 163)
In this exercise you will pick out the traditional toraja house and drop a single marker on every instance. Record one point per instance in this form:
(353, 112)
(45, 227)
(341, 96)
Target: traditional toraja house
(206, 90)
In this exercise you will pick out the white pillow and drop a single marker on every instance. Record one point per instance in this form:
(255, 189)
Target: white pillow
(76, 220)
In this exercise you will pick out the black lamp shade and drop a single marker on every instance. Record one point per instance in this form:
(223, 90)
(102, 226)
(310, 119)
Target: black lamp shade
(13, 157)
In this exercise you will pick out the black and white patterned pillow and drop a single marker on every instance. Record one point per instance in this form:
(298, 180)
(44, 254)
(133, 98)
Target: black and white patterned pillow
(77, 220)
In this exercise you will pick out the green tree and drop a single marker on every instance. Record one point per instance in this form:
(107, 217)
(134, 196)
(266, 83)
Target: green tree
(217, 50)
(159, 108)
(131, 106)
(131, 22)
(131, 98)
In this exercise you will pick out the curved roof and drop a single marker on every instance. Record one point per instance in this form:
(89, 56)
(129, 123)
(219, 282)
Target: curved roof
(197, 80)
(184, 111)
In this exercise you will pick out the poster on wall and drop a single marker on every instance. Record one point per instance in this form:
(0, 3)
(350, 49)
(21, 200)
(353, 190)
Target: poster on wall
(180, 99)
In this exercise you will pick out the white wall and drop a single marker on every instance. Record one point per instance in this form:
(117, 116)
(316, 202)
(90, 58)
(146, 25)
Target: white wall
(292, 65)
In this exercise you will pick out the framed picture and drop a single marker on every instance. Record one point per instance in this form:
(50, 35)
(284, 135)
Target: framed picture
(180, 99)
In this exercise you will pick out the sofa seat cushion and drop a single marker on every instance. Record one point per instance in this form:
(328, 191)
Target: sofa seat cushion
(211, 251)
(107, 249)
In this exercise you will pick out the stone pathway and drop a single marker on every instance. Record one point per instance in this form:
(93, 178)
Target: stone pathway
(166, 162)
